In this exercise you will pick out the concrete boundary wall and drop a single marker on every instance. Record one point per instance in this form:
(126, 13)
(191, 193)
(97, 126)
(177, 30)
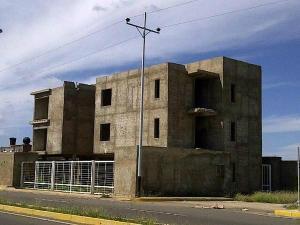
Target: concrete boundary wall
(185, 172)
(10, 167)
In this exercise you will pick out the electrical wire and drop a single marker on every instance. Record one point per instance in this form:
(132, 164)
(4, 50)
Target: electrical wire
(225, 13)
(85, 36)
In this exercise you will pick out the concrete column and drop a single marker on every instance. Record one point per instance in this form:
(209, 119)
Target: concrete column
(93, 167)
(71, 177)
(52, 175)
(22, 172)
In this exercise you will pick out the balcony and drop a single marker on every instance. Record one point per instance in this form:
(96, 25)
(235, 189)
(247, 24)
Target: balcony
(202, 112)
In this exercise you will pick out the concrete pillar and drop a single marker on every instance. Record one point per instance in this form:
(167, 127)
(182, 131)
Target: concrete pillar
(93, 177)
(52, 175)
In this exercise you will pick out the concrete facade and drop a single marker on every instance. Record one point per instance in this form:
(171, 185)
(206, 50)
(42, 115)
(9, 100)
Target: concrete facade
(63, 122)
(202, 127)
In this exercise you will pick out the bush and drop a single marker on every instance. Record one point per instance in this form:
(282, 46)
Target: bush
(280, 197)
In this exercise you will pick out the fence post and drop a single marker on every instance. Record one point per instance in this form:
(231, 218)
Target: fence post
(71, 178)
(93, 167)
(52, 175)
(36, 167)
(22, 174)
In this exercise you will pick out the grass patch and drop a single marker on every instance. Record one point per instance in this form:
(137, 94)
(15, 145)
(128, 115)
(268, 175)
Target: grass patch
(94, 213)
(280, 197)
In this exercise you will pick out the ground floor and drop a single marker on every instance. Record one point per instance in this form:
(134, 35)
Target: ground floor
(164, 172)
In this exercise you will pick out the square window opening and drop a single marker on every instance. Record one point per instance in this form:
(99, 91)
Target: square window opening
(106, 97)
(105, 132)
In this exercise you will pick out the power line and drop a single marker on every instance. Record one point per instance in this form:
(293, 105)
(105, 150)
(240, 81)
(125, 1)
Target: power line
(166, 8)
(85, 36)
(48, 69)
(154, 11)
(59, 47)
(225, 13)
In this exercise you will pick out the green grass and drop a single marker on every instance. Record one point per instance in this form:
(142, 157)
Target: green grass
(95, 213)
(280, 197)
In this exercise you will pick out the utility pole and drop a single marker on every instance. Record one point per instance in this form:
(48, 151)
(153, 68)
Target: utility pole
(144, 31)
(298, 172)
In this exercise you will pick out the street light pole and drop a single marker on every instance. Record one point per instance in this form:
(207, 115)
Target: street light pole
(144, 31)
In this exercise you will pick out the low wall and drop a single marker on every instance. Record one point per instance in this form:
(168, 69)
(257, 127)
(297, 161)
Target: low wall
(185, 172)
(10, 167)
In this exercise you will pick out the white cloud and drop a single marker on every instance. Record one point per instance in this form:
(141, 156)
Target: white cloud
(281, 124)
(34, 27)
(280, 84)
(288, 152)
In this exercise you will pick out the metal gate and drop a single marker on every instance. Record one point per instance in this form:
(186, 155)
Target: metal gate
(95, 177)
(266, 177)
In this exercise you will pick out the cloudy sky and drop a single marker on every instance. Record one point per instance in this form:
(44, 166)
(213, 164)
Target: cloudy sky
(46, 42)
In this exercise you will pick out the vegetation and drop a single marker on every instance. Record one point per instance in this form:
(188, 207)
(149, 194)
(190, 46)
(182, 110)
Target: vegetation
(95, 213)
(280, 197)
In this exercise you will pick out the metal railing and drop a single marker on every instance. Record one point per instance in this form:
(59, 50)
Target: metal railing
(95, 177)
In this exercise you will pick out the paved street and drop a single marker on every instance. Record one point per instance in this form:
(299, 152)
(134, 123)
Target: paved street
(163, 212)
(14, 219)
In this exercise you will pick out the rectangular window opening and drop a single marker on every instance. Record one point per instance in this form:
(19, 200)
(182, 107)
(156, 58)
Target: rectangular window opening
(232, 93)
(233, 172)
(157, 88)
(221, 171)
(232, 131)
(105, 132)
(106, 97)
(156, 128)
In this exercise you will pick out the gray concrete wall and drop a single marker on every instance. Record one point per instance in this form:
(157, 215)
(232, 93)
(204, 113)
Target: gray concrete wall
(123, 113)
(55, 115)
(10, 167)
(288, 175)
(246, 151)
(71, 115)
(78, 119)
(184, 172)
(6, 169)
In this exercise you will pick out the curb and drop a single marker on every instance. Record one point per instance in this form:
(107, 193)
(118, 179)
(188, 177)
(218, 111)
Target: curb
(288, 213)
(164, 199)
(62, 216)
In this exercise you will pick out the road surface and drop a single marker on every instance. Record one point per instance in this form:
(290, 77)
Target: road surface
(15, 219)
(163, 212)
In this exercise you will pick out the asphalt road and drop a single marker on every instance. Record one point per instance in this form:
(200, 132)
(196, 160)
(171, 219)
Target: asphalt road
(15, 219)
(163, 212)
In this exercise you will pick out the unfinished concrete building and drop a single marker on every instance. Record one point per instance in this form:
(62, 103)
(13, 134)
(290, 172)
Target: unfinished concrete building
(63, 120)
(202, 127)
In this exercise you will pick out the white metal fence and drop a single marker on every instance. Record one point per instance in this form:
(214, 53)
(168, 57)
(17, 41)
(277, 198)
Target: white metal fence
(95, 177)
